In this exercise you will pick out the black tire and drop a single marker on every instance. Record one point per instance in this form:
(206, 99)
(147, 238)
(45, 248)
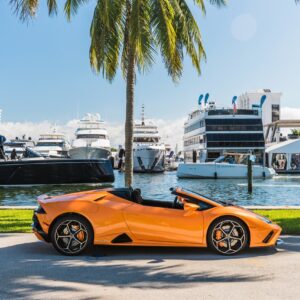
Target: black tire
(228, 236)
(71, 235)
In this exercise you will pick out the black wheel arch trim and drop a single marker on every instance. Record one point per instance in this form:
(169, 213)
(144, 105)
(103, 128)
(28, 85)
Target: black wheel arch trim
(233, 217)
(70, 214)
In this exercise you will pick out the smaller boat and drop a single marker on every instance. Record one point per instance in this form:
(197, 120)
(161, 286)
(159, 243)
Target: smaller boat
(53, 144)
(19, 144)
(229, 166)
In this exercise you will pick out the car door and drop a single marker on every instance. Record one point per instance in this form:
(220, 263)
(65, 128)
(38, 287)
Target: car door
(159, 224)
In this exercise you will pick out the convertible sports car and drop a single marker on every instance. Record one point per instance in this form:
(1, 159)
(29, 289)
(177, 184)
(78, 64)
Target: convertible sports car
(120, 216)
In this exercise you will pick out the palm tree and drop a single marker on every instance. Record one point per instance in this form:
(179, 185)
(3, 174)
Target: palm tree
(128, 34)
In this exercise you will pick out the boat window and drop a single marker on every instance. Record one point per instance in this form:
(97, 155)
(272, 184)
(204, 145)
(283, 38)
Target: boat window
(279, 161)
(50, 144)
(234, 124)
(235, 140)
(91, 136)
(295, 161)
(146, 139)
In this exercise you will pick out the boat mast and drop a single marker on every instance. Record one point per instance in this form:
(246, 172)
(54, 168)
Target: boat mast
(143, 114)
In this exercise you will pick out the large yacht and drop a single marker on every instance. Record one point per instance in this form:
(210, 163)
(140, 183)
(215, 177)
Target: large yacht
(148, 151)
(211, 133)
(91, 141)
(53, 144)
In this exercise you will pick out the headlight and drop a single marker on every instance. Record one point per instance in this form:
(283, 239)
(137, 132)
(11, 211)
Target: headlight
(264, 219)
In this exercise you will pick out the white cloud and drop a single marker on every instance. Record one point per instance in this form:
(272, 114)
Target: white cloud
(290, 113)
(170, 130)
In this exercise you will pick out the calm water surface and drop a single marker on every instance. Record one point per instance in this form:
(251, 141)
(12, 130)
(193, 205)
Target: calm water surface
(282, 190)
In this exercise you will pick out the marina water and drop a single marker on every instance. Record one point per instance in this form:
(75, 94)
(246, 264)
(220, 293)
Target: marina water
(281, 190)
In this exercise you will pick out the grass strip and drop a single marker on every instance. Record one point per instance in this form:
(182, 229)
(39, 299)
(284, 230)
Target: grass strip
(18, 220)
(288, 219)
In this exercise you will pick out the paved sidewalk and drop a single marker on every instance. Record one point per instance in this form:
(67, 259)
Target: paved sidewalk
(30, 269)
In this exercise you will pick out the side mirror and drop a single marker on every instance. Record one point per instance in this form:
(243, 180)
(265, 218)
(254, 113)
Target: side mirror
(191, 207)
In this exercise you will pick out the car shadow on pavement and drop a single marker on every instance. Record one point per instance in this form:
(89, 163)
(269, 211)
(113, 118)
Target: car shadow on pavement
(171, 253)
(35, 267)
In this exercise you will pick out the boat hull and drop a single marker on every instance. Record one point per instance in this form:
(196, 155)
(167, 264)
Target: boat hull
(55, 171)
(148, 160)
(89, 153)
(219, 170)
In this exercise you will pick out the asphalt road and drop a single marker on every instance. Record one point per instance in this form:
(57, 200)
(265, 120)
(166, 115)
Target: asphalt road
(30, 269)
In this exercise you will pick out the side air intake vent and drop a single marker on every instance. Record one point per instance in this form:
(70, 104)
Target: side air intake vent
(122, 238)
(268, 237)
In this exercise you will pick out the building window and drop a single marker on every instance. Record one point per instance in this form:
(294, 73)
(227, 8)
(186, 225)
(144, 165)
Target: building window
(231, 140)
(234, 125)
(194, 126)
(279, 161)
(295, 161)
(275, 112)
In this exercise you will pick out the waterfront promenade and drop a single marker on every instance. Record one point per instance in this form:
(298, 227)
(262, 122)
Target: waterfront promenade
(33, 270)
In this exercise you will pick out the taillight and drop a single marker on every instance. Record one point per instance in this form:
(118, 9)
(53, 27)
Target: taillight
(40, 210)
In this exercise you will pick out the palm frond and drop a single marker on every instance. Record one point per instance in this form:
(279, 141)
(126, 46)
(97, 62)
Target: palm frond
(52, 7)
(71, 7)
(25, 9)
(106, 37)
(141, 34)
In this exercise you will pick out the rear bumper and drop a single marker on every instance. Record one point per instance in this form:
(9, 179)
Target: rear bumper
(37, 229)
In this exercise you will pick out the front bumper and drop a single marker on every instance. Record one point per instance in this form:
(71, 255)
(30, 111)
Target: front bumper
(267, 237)
(37, 229)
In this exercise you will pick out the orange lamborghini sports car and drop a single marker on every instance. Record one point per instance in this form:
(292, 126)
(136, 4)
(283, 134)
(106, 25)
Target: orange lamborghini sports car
(120, 216)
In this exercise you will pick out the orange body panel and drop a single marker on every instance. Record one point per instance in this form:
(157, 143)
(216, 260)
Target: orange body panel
(111, 216)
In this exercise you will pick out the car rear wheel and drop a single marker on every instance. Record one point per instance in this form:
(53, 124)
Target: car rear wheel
(228, 236)
(71, 235)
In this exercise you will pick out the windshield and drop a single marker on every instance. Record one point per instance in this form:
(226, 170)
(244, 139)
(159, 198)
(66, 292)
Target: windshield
(192, 193)
(219, 159)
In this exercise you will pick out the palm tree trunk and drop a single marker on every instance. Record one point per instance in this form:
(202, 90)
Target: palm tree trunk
(129, 119)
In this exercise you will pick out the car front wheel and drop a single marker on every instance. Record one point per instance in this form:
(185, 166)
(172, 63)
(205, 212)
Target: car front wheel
(71, 235)
(228, 236)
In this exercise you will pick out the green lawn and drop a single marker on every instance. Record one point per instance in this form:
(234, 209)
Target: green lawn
(289, 220)
(15, 220)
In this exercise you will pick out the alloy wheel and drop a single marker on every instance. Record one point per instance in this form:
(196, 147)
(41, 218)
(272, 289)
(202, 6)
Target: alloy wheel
(71, 236)
(228, 237)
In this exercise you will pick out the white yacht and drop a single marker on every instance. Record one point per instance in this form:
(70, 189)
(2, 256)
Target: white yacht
(148, 151)
(211, 132)
(91, 141)
(53, 145)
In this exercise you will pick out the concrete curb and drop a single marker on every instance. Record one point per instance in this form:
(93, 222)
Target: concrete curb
(247, 207)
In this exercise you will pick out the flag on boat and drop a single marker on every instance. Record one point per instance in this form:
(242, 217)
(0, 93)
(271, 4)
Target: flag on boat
(234, 104)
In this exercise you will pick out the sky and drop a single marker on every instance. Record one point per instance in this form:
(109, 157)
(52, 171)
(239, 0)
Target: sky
(45, 76)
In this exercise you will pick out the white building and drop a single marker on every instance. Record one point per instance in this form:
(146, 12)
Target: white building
(270, 108)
